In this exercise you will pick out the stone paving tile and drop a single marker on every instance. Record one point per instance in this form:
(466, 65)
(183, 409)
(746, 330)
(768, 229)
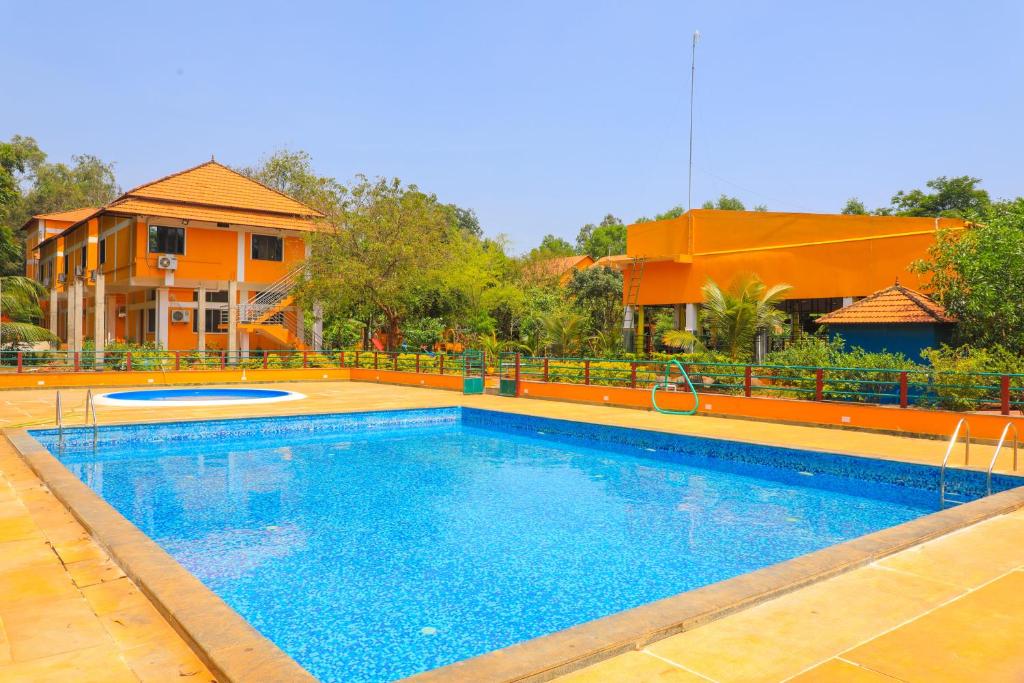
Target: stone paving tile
(101, 664)
(33, 583)
(158, 661)
(90, 572)
(977, 638)
(638, 667)
(838, 671)
(52, 627)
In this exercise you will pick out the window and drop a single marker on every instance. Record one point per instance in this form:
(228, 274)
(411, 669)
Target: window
(64, 265)
(164, 240)
(150, 320)
(103, 251)
(267, 248)
(83, 260)
(213, 314)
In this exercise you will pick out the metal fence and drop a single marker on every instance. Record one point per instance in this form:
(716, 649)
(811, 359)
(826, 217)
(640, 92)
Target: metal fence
(903, 388)
(42, 362)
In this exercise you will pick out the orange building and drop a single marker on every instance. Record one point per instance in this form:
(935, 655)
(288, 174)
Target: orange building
(201, 259)
(830, 260)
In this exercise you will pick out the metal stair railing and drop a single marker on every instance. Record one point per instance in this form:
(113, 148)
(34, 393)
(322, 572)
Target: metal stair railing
(995, 455)
(949, 451)
(271, 296)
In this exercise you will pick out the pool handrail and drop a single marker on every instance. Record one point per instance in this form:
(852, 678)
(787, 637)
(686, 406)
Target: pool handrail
(995, 455)
(963, 423)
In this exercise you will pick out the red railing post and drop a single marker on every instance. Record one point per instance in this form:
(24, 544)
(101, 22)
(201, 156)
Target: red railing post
(177, 361)
(19, 361)
(355, 363)
(746, 381)
(546, 359)
(440, 363)
(376, 360)
(904, 390)
(632, 374)
(78, 362)
(586, 371)
(819, 384)
(223, 359)
(128, 361)
(305, 358)
(1004, 394)
(518, 389)
(341, 359)
(394, 362)
(417, 363)
(266, 359)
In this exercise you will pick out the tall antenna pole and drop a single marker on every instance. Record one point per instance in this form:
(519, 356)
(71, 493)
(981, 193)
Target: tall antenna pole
(693, 75)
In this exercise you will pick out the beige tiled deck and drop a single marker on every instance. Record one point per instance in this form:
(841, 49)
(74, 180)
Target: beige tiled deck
(950, 609)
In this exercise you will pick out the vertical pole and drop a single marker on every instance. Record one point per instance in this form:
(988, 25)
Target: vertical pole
(355, 363)
(177, 361)
(1004, 394)
(341, 358)
(518, 389)
(819, 384)
(746, 381)
(417, 363)
(546, 367)
(693, 78)
(78, 362)
(52, 313)
(266, 359)
(441, 362)
(904, 390)
(394, 362)
(586, 371)
(233, 315)
(223, 359)
(99, 335)
(305, 358)
(376, 360)
(632, 375)
(128, 361)
(201, 318)
(19, 361)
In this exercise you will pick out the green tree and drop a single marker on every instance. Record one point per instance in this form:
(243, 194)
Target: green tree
(602, 240)
(564, 332)
(597, 293)
(725, 203)
(957, 197)
(292, 173)
(552, 247)
(978, 276)
(20, 312)
(854, 207)
(735, 316)
(383, 244)
(467, 221)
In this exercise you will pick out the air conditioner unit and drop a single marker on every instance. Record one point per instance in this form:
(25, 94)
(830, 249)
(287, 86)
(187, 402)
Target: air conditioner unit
(181, 315)
(167, 262)
(62, 277)
(122, 312)
(79, 271)
(46, 280)
(92, 274)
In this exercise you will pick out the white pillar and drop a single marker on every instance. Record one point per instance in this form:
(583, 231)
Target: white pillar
(54, 304)
(318, 326)
(162, 319)
(243, 335)
(99, 318)
(300, 324)
(232, 318)
(69, 327)
(691, 317)
(201, 317)
(112, 316)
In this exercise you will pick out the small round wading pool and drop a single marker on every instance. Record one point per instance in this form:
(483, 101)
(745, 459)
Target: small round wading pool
(196, 397)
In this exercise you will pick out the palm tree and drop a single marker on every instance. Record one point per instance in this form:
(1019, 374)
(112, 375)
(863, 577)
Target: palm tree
(564, 332)
(679, 339)
(607, 343)
(19, 310)
(494, 347)
(736, 316)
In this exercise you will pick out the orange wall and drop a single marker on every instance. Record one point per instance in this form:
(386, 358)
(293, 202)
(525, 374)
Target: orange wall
(452, 382)
(905, 420)
(820, 255)
(116, 378)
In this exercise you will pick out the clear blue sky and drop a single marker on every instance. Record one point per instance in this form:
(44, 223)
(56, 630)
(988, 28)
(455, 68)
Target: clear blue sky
(541, 116)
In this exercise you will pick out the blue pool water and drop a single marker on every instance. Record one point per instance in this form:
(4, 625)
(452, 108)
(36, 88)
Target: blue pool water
(196, 394)
(374, 546)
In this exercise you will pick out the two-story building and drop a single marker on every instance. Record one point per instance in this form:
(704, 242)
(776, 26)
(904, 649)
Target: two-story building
(201, 259)
(829, 260)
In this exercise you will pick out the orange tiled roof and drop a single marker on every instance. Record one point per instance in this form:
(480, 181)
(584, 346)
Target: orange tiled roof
(72, 216)
(214, 214)
(896, 304)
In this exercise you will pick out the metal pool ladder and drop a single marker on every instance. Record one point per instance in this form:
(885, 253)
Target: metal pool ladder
(949, 451)
(90, 407)
(995, 456)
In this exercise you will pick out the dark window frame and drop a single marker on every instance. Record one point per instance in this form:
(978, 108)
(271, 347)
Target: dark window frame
(271, 246)
(165, 239)
(101, 249)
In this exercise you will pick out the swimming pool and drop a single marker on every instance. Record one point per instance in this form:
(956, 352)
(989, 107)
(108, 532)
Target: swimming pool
(199, 396)
(372, 546)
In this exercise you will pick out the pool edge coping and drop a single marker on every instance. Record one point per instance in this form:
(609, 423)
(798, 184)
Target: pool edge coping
(235, 651)
(227, 644)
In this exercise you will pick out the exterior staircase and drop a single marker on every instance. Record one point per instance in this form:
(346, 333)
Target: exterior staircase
(271, 313)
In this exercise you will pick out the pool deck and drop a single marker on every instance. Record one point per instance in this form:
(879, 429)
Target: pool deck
(949, 609)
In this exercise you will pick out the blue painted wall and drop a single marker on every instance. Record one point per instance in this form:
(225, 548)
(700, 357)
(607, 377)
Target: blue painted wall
(908, 339)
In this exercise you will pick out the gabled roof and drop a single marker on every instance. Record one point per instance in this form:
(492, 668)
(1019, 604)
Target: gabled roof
(72, 216)
(215, 185)
(896, 304)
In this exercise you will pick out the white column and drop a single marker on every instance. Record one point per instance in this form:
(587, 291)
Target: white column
(99, 317)
(79, 292)
(112, 316)
(318, 326)
(162, 319)
(201, 317)
(691, 317)
(232, 318)
(54, 303)
(243, 335)
(300, 324)
(69, 328)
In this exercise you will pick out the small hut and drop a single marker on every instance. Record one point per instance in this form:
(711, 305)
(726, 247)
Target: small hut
(896, 319)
